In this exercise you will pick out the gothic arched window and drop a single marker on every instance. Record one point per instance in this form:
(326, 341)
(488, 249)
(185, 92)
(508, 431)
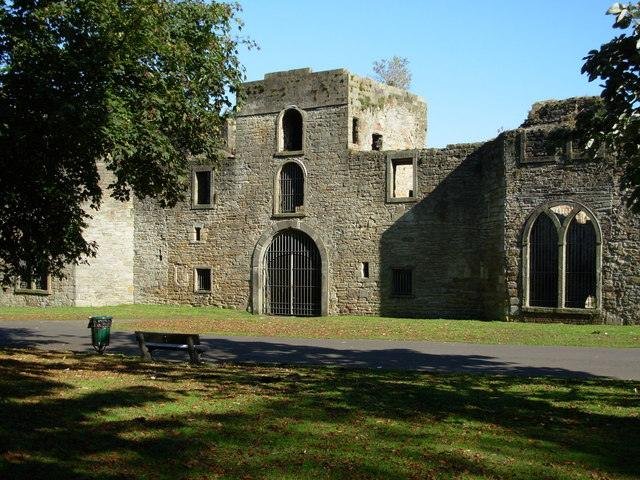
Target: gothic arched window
(562, 251)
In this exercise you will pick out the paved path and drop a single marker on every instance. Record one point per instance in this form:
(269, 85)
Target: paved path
(621, 363)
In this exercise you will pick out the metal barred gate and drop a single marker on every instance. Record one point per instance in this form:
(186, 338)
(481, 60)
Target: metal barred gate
(292, 273)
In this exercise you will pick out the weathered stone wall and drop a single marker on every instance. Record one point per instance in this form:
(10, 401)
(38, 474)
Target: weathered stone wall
(439, 237)
(534, 178)
(302, 88)
(62, 294)
(346, 206)
(108, 278)
(151, 253)
(399, 116)
(491, 217)
(461, 236)
(242, 211)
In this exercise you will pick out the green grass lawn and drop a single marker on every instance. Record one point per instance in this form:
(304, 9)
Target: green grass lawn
(235, 322)
(67, 416)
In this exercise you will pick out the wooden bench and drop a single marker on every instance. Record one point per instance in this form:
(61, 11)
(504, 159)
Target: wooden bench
(150, 341)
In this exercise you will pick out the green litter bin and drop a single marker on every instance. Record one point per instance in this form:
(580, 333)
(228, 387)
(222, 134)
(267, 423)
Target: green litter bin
(100, 332)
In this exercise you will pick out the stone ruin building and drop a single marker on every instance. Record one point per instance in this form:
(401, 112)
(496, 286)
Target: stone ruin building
(329, 203)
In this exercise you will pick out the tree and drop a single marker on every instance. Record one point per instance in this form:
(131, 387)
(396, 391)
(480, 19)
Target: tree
(394, 72)
(615, 121)
(140, 84)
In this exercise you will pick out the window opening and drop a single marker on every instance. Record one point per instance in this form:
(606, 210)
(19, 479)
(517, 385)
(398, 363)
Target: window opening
(291, 188)
(355, 133)
(196, 234)
(402, 281)
(581, 263)
(38, 281)
(203, 187)
(292, 130)
(365, 269)
(403, 178)
(563, 251)
(376, 141)
(543, 261)
(203, 279)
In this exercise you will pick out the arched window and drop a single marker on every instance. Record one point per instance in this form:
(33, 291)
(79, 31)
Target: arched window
(581, 262)
(291, 130)
(562, 247)
(543, 263)
(291, 188)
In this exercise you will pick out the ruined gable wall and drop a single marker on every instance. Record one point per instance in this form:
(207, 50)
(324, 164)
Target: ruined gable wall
(533, 179)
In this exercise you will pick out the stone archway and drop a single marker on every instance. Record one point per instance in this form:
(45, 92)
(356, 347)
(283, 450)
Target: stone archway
(259, 267)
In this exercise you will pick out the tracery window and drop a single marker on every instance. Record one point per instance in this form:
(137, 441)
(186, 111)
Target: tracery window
(562, 254)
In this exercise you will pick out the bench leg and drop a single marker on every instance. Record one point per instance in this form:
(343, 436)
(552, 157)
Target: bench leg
(194, 356)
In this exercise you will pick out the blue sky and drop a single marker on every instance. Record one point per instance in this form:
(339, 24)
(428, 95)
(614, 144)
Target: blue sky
(478, 64)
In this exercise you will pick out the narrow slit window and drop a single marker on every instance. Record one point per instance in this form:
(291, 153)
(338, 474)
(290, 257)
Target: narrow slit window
(203, 279)
(355, 131)
(402, 282)
(197, 234)
(376, 141)
(365, 269)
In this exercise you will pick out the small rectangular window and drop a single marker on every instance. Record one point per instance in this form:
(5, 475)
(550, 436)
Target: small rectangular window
(203, 279)
(355, 133)
(365, 269)
(197, 234)
(402, 282)
(401, 177)
(376, 141)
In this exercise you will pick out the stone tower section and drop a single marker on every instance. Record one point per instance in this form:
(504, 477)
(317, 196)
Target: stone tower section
(108, 278)
(384, 117)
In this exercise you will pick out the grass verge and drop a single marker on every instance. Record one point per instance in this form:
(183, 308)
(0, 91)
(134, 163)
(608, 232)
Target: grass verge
(77, 416)
(171, 318)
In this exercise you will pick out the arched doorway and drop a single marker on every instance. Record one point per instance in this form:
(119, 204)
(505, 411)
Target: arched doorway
(292, 273)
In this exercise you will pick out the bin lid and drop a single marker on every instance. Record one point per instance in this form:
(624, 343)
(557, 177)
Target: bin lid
(101, 317)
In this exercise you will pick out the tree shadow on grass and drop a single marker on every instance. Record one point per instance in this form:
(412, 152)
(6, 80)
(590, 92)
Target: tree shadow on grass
(161, 420)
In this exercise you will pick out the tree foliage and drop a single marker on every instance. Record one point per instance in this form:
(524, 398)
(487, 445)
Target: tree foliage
(139, 84)
(615, 121)
(393, 71)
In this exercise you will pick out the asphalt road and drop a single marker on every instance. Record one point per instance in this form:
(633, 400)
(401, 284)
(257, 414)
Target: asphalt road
(619, 363)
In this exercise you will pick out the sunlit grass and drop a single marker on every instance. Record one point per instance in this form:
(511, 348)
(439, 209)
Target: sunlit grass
(220, 321)
(84, 416)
